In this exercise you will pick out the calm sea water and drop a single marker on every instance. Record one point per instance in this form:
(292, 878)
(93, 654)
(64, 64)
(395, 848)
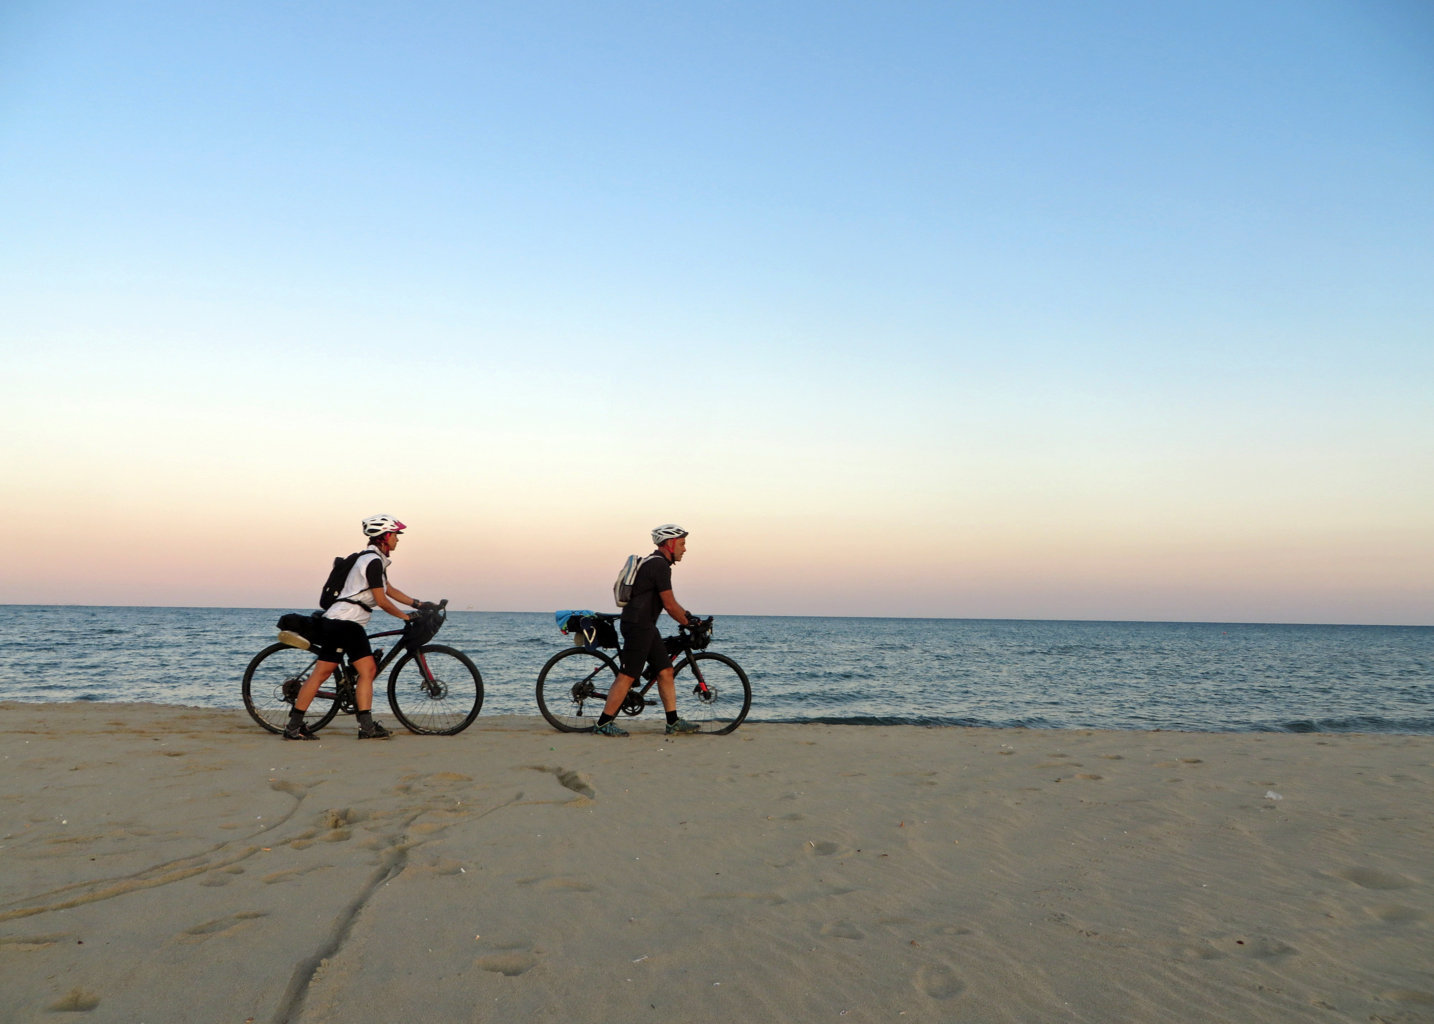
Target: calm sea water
(1001, 673)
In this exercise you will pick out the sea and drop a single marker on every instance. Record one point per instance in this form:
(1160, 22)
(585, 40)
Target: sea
(1004, 674)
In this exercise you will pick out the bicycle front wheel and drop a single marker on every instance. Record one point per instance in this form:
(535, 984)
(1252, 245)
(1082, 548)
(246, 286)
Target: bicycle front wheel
(272, 681)
(572, 688)
(440, 702)
(713, 692)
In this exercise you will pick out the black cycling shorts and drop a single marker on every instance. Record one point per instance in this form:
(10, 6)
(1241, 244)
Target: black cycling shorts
(642, 647)
(343, 637)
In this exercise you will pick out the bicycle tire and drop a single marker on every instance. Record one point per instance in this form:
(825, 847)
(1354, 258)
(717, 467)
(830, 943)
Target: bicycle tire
(573, 686)
(273, 679)
(730, 693)
(450, 710)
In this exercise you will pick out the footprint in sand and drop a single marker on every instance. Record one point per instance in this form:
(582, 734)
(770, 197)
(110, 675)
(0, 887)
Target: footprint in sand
(27, 944)
(1395, 914)
(223, 877)
(1259, 947)
(769, 898)
(578, 782)
(1372, 878)
(938, 981)
(223, 925)
(843, 930)
(557, 883)
(443, 866)
(927, 778)
(1412, 996)
(340, 817)
(288, 874)
(76, 1001)
(509, 965)
(451, 777)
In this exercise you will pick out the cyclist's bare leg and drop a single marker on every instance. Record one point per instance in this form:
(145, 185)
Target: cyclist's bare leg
(366, 669)
(363, 690)
(618, 693)
(322, 671)
(667, 689)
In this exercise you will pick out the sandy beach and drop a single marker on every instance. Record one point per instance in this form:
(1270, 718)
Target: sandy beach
(165, 864)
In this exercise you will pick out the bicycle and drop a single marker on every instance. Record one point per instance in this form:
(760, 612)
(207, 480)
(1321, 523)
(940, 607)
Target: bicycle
(433, 690)
(712, 689)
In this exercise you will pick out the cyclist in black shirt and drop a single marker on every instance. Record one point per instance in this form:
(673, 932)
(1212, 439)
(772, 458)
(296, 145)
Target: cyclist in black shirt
(642, 645)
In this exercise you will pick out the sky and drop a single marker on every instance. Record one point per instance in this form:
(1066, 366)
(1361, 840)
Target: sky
(1029, 309)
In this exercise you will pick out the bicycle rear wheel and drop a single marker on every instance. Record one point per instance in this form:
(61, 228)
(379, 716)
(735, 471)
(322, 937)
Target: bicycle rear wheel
(727, 698)
(444, 707)
(573, 686)
(272, 681)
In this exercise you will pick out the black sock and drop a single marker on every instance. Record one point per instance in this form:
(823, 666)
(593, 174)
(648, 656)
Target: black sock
(296, 717)
(605, 718)
(671, 717)
(365, 719)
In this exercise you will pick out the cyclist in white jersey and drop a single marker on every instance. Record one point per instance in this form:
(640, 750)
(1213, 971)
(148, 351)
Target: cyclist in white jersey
(366, 588)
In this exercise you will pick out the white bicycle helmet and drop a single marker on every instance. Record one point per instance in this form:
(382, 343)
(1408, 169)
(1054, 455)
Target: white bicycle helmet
(667, 531)
(377, 526)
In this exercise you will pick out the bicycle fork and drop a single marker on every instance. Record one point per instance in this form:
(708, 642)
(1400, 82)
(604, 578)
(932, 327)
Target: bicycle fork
(430, 684)
(702, 691)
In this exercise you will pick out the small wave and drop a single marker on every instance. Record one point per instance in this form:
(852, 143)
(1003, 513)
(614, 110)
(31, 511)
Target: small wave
(1356, 723)
(922, 720)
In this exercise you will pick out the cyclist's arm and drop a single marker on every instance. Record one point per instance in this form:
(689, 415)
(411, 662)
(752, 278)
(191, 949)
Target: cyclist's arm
(397, 595)
(380, 598)
(678, 613)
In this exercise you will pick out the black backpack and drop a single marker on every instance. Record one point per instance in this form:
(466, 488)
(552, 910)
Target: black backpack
(338, 575)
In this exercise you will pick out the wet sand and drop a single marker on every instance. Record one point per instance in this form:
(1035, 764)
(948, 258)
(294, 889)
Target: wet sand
(167, 864)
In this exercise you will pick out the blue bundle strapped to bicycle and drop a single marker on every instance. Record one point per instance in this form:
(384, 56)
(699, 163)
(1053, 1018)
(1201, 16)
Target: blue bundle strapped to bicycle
(588, 628)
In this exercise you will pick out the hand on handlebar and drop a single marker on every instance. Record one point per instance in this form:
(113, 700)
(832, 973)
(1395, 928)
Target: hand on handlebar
(427, 611)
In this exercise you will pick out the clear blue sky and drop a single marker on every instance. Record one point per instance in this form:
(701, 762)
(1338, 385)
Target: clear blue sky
(1106, 310)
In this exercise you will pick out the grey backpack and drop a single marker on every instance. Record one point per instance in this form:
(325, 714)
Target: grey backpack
(622, 586)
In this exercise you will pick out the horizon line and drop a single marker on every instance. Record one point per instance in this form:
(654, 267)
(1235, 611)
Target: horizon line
(768, 615)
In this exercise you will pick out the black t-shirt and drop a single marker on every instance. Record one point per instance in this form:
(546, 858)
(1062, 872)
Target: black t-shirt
(653, 578)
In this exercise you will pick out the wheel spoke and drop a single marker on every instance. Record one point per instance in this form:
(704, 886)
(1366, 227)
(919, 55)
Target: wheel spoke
(271, 682)
(437, 692)
(713, 692)
(572, 688)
